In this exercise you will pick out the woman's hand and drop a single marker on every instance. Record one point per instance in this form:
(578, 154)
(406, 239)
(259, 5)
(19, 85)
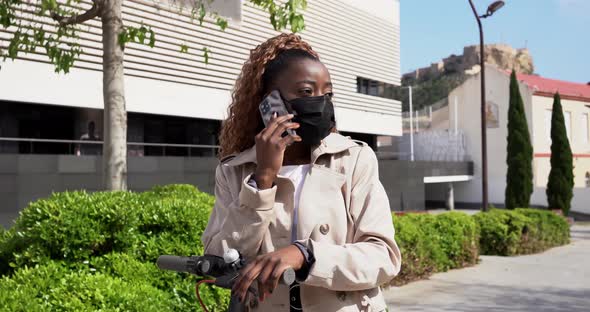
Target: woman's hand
(267, 269)
(270, 149)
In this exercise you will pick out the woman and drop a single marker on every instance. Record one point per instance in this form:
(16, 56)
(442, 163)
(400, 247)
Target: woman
(311, 200)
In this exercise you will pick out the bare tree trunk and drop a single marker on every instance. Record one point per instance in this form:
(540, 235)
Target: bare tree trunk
(115, 113)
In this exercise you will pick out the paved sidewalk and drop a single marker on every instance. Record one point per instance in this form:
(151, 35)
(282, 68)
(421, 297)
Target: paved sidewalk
(556, 280)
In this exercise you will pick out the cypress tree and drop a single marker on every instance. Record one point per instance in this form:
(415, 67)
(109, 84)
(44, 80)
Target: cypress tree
(561, 177)
(519, 154)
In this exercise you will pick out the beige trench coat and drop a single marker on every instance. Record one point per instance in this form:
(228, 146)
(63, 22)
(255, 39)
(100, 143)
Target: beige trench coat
(344, 218)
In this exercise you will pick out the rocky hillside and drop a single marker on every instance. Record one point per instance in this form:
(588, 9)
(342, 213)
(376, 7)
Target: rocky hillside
(433, 83)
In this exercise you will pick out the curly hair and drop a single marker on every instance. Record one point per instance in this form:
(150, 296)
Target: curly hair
(265, 63)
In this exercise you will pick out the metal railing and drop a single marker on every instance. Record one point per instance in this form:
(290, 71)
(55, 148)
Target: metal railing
(386, 155)
(74, 145)
(437, 145)
(422, 118)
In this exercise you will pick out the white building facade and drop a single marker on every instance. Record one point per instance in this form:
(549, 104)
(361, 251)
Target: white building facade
(359, 42)
(537, 94)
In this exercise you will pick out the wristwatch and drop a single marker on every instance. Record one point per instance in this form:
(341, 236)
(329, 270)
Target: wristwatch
(308, 262)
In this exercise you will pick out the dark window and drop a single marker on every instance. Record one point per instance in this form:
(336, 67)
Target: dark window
(375, 88)
(35, 121)
(359, 82)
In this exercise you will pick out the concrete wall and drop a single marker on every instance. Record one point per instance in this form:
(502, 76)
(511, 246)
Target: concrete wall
(404, 180)
(25, 178)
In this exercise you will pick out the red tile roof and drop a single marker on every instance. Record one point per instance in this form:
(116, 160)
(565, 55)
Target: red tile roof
(548, 87)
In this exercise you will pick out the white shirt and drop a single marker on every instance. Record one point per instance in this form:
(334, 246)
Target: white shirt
(296, 174)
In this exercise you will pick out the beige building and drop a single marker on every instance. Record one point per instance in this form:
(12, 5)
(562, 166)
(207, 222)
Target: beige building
(537, 93)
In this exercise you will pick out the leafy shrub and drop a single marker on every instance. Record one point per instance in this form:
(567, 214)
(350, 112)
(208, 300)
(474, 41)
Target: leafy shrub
(435, 243)
(52, 286)
(500, 231)
(521, 231)
(458, 238)
(551, 230)
(108, 239)
(76, 251)
(430, 243)
(419, 253)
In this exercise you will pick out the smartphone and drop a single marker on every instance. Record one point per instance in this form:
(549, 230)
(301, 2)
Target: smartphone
(271, 104)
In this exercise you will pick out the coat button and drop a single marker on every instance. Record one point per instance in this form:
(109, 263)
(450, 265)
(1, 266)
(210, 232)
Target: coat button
(324, 229)
(341, 296)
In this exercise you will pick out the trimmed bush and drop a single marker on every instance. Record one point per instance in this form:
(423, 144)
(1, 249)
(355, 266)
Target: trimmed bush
(76, 251)
(522, 231)
(437, 243)
(109, 242)
(551, 230)
(430, 243)
(52, 286)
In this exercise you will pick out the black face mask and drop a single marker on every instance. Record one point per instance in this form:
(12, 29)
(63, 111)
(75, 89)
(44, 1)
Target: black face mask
(315, 114)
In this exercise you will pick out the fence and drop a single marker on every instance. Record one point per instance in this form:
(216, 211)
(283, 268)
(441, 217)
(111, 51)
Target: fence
(436, 145)
(76, 147)
(422, 118)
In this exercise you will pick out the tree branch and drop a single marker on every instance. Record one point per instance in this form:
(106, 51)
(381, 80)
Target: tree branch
(93, 12)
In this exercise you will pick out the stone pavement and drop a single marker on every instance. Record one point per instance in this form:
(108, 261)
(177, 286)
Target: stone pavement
(555, 280)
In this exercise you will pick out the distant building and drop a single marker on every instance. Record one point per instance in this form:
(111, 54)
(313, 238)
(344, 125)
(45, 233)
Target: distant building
(537, 92)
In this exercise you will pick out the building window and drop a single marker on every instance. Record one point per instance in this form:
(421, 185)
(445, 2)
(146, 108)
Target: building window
(375, 88)
(585, 130)
(548, 114)
(588, 179)
(567, 118)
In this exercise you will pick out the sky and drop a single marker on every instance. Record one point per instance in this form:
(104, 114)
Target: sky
(556, 32)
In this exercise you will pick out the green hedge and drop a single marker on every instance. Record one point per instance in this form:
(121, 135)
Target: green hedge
(76, 251)
(434, 243)
(89, 252)
(437, 243)
(520, 231)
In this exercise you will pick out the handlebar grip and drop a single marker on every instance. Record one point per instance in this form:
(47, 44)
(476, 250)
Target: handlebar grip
(174, 263)
(288, 277)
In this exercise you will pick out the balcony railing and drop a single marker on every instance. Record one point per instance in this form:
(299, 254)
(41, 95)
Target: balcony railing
(75, 147)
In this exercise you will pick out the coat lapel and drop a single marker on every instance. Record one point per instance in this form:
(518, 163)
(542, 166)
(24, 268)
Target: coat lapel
(332, 144)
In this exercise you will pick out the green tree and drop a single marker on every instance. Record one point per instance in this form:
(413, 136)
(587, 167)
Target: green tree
(519, 154)
(561, 177)
(24, 19)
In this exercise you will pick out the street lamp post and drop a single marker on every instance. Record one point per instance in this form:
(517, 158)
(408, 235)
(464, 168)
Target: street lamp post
(411, 123)
(484, 157)
(411, 127)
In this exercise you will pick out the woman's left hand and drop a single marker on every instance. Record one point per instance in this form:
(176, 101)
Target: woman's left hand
(267, 269)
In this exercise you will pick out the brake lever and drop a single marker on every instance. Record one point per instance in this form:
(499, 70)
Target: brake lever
(227, 281)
